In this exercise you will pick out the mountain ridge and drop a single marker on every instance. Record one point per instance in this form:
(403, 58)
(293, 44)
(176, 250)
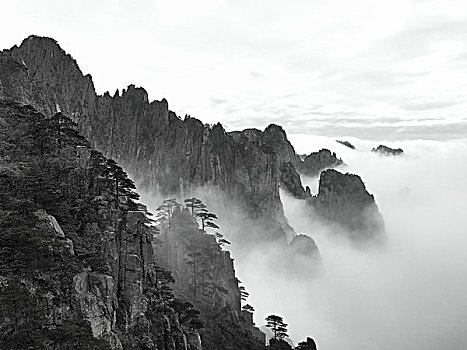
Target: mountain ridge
(51, 81)
(165, 153)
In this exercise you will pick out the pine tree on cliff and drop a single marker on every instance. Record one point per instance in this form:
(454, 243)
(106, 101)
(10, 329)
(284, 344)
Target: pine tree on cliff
(248, 308)
(123, 185)
(158, 287)
(206, 220)
(199, 210)
(220, 240)
(187, 314)
(165, 210)
(243, 293)
(277, 325)
(66, 130)
(195, 205)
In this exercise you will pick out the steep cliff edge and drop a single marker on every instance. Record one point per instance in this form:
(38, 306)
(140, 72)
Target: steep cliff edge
(204, 273)
(344, 199)
(164, 152)
(315, 162)
(76, 248)
(39, 73)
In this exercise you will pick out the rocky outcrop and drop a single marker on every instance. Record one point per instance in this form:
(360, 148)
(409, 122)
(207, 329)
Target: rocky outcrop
(49, 223)
(315, 162)
(94, 294)
(346, 144)
(41, 74)
(249, 325)
(303, 245)
(203, 271)
(291, 182)
(275, 139)
(308, 344)
(344, 199)
(388, 151)
(79, 251)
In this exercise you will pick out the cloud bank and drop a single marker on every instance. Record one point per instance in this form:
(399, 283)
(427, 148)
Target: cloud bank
(406, 294)
(313, 64)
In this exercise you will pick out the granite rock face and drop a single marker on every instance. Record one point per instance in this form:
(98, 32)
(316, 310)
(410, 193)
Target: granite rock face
(79, 254)
(162, 151)
(197, 262)
(249, 324)
(205, 275)
(94, 294)
(49, 223)
(344, 199)
(315, 162)
(41, 74)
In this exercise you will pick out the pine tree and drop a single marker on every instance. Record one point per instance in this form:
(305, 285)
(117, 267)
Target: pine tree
(277, 325)
(248, 308)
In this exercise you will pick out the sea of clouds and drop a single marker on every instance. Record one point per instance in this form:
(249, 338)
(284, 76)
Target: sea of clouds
(408, 293)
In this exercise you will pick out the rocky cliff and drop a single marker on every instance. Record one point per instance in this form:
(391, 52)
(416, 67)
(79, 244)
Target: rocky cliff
(81, 254)
(204, 273)
(163, 152)
(90, 242)
(343, 198)
(315, 162)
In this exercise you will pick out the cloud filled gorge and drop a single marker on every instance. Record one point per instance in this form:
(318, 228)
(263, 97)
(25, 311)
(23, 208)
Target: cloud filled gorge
(409, 293)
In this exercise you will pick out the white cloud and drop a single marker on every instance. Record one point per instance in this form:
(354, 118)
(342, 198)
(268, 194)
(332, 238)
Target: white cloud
(360, 58)
(406, 294)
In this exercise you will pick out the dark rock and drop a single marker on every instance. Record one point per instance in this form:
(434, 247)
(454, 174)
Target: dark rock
(279, 344)
(275, 138)
(346, 143)
(249, 325)
(315, 162)
(93, 295)
(388, 151)
(291, 182)
(304, 245)
(48, 79)
(49, 223)
(343, 198)
(78, 258)
(308, 344)
(183, 237)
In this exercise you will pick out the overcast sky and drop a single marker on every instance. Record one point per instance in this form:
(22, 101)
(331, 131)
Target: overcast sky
(370, 69)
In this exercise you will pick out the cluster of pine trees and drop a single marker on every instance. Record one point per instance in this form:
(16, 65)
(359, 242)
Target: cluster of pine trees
(39, 171)
(47, 166)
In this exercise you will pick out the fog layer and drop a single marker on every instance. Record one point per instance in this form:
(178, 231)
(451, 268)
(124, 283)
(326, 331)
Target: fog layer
(409, 293)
